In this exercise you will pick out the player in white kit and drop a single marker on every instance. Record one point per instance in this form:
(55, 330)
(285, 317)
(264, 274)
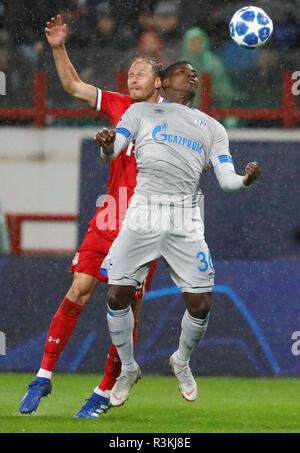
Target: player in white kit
(174, 145)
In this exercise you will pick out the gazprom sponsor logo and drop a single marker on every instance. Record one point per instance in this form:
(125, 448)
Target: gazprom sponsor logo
(159, 134)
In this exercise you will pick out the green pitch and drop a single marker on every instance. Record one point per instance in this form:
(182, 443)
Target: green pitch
(224, 405)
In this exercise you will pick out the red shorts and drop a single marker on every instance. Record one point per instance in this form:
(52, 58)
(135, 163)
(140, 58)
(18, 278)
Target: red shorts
(90, 255)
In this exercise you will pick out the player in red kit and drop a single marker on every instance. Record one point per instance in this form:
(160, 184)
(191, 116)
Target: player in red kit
(144, 83)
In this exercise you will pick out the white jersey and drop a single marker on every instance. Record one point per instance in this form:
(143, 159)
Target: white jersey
(174, 144)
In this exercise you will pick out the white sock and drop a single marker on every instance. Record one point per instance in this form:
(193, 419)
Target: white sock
(104, 393)
(44, 373)
(192, 332)
(120, 325)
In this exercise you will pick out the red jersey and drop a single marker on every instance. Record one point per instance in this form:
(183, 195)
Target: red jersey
(123, 171)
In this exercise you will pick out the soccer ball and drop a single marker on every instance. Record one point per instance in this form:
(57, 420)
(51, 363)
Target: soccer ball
(251, 27)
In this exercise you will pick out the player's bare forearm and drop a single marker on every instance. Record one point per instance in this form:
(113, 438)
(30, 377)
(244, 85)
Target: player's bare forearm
(252, 172)
(70, 79)
(63, 67)
(56, 33)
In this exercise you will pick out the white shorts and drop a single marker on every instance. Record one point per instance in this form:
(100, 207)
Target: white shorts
(151, 232)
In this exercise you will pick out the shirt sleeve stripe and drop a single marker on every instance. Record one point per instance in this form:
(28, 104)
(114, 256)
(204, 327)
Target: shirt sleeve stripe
(225, 158)
(97, 105)
(123, 131)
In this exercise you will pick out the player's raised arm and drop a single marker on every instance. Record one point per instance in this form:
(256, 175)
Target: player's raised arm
(111, 143)
(106, 140)
(231, 182)
(56, 32)
(223, 165)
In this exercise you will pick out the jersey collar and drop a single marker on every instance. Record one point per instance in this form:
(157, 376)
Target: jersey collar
(169, 102)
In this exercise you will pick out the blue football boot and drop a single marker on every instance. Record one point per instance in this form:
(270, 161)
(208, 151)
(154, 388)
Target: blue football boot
(95, 406)
(37, 389)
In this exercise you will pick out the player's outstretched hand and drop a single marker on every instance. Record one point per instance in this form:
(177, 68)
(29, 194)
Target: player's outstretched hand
(106, 139)
(56, 32)
(252, 172)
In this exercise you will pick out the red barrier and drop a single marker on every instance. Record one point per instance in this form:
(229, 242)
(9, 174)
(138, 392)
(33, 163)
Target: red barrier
(39, 111)
(15, 223)
(288, 113)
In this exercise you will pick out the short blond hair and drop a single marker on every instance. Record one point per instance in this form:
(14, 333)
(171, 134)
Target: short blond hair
(157, 68)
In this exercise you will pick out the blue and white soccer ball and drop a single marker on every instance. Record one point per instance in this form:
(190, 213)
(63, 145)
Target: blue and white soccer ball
(251, 27)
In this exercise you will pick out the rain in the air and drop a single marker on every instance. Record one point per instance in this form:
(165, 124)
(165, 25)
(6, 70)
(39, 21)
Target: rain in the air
(149, 219)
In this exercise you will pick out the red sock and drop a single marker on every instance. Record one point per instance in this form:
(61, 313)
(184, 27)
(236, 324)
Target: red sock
(113, 364)
(61, 328)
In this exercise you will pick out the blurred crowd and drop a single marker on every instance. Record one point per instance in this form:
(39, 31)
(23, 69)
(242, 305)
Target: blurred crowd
(105, 35)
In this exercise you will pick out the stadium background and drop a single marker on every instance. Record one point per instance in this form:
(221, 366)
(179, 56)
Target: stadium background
(49, 166)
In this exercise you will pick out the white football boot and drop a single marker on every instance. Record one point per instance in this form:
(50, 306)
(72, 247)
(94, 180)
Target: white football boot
(186, 381)
(120, 391)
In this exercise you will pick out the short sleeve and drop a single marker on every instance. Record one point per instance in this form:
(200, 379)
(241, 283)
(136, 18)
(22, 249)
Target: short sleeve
(112, 104)
(97, 105)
